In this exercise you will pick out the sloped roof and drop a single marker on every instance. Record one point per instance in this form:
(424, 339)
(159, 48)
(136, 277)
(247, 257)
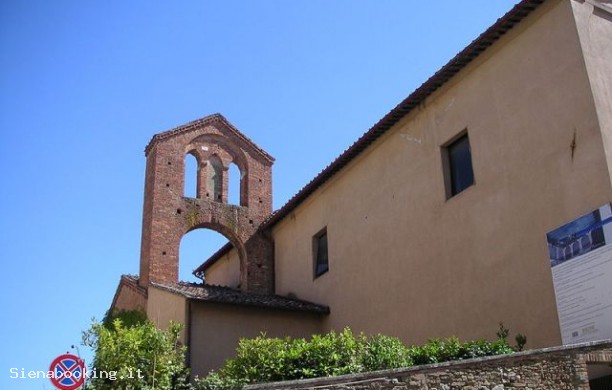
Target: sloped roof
(212, 259)
(456, 64)
(226, 295)
(460, 61)
(207, 120)
(131, 282)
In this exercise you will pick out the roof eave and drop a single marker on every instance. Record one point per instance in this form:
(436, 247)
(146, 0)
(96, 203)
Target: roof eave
(203, 122)
(448, 71)
(225, 249)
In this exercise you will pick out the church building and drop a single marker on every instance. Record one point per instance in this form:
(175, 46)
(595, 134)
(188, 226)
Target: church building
(441, 220)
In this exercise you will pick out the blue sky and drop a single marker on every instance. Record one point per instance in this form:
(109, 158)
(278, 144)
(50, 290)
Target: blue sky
(84, 85)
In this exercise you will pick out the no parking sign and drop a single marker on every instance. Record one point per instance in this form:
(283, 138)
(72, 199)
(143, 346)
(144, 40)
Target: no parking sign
(68, 372)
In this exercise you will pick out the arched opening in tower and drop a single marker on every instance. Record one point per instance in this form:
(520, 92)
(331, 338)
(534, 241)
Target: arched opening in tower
(199, 245)
(234, 185)
(191, 176)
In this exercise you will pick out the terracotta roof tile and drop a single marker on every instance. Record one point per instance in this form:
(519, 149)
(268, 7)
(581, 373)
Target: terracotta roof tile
(473, 50)
(226, 295)
(130, 281)
(461, 60)
(198, 272)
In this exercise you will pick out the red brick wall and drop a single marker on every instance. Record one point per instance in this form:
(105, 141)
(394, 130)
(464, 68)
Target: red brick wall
(168, 215)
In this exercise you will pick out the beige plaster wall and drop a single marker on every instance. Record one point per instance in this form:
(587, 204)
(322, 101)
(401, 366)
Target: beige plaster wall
(129, 298)
(406, 261)
(226, 271)
(594, 24)
(164, 306)
(216, 330)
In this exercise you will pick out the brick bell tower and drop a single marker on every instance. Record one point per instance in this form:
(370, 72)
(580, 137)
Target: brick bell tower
(168, 214)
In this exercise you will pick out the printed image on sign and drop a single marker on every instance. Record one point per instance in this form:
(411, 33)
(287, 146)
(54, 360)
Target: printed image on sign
(580, 254)
(68, 372)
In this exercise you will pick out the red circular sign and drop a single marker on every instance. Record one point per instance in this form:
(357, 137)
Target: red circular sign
(68, 372)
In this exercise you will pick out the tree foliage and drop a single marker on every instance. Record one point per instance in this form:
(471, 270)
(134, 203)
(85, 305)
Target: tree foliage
(265, 359)
(132, 354)
(142, 357)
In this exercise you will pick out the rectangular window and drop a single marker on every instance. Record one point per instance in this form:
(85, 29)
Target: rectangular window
(321, 261)
(458, 171)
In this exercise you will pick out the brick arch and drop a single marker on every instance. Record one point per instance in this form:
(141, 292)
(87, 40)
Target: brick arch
(220, 143)
(168, 215)
(228, 224)
(220, 228)
(205, 147)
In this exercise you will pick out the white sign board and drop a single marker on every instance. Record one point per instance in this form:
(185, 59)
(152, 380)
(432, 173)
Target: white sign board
(581, 261)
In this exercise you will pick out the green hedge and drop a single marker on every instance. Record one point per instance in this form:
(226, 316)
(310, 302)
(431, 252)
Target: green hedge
(265, 359)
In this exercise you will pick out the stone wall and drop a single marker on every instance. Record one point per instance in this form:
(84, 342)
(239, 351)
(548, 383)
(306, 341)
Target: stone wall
(555, 368)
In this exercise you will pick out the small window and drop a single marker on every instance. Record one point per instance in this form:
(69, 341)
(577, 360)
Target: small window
(321, 261)
(458, 171)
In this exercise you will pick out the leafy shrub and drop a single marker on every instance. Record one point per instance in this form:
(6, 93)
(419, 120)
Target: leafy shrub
(384, 352)
(127, 342)
(437, 350)
(521, 340)
(140, 356)
(330, 354)
(261, 359)
(129, 318)
(214, 381)
(264, 359)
